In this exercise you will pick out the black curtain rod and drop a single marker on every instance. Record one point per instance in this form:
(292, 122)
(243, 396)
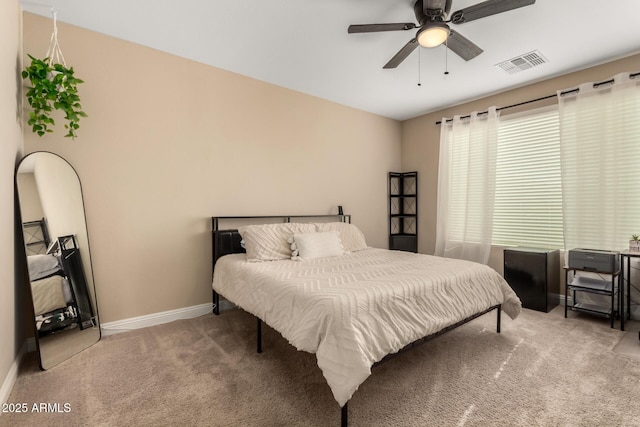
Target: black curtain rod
(566, 92)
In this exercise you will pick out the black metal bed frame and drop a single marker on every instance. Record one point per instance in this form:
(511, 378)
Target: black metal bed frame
(227, 242)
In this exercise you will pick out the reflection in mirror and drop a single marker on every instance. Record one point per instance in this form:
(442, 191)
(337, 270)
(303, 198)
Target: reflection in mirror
(58, 257)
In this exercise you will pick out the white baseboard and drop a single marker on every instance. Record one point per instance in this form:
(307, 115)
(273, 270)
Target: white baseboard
(132, 323)
(12, 375)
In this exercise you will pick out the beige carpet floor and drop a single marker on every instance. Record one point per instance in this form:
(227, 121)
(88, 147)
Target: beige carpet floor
(542, 370)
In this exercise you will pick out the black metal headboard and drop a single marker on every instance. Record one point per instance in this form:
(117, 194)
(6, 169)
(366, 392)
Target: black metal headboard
(227, 241)
(36, 236)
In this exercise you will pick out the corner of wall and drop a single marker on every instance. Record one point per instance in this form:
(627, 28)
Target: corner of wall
(12, 334)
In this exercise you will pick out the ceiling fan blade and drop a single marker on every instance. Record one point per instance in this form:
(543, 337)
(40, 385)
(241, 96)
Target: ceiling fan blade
(462, 46)
(487, 8)
(373, 28)
(402, 54)
(434, 5)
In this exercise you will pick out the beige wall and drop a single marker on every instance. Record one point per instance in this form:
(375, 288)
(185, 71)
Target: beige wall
(30, 206)
(170, 143)
(421, 137)
(12, 332)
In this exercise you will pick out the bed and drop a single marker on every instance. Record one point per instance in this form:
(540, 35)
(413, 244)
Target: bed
(324, 290)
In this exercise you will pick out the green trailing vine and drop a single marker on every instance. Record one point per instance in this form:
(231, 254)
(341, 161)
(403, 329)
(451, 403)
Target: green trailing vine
(52, 87)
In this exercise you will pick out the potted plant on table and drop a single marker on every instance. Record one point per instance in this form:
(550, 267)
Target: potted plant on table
(634, 243)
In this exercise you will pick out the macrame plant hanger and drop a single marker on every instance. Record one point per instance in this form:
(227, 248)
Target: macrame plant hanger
(54, 87)
(54, 53)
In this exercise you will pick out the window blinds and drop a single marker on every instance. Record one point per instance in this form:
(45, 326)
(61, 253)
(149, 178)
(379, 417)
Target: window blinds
(528, 198)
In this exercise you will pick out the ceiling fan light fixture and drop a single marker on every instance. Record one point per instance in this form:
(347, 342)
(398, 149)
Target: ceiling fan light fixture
(433, 34)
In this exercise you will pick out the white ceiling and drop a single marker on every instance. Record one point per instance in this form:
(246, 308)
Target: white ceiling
(303, 44)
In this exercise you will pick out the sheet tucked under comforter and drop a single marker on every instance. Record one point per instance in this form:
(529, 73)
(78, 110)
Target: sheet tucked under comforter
(353, 310)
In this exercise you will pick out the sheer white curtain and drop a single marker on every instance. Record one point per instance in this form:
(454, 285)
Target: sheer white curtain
(600, 161)
(466, 186)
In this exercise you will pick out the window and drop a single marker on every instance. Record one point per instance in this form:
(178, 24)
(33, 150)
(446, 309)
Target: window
(581, 193)
(528, 198)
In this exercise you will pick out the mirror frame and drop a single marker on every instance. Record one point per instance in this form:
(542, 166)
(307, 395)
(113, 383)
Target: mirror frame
(76, 260)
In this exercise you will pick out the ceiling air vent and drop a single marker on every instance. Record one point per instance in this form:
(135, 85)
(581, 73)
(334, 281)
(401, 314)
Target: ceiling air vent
(523, 62)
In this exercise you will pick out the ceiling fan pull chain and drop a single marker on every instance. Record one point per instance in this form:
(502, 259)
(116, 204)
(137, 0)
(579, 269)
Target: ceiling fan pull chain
(419, 69)
(446, 58)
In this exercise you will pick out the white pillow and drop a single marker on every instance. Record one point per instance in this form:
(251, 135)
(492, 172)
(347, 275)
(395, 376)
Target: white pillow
(42, 265)
(316, 245)
(269, 242)
(352, 238)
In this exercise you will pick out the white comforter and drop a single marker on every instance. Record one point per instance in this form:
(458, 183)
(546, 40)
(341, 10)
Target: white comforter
(353, 310)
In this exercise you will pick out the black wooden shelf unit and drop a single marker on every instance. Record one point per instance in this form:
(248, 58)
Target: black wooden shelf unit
(403, 211)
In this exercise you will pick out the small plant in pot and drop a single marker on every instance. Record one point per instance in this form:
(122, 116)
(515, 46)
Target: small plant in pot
(53, 87)
(634, 243)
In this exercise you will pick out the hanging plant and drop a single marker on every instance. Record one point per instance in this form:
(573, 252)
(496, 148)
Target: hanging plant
(53, 87)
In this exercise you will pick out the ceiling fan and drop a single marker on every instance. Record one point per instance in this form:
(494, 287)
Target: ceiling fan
(433, 29)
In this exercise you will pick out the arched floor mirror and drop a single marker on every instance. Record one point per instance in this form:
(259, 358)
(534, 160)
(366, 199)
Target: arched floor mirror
(58, 257)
